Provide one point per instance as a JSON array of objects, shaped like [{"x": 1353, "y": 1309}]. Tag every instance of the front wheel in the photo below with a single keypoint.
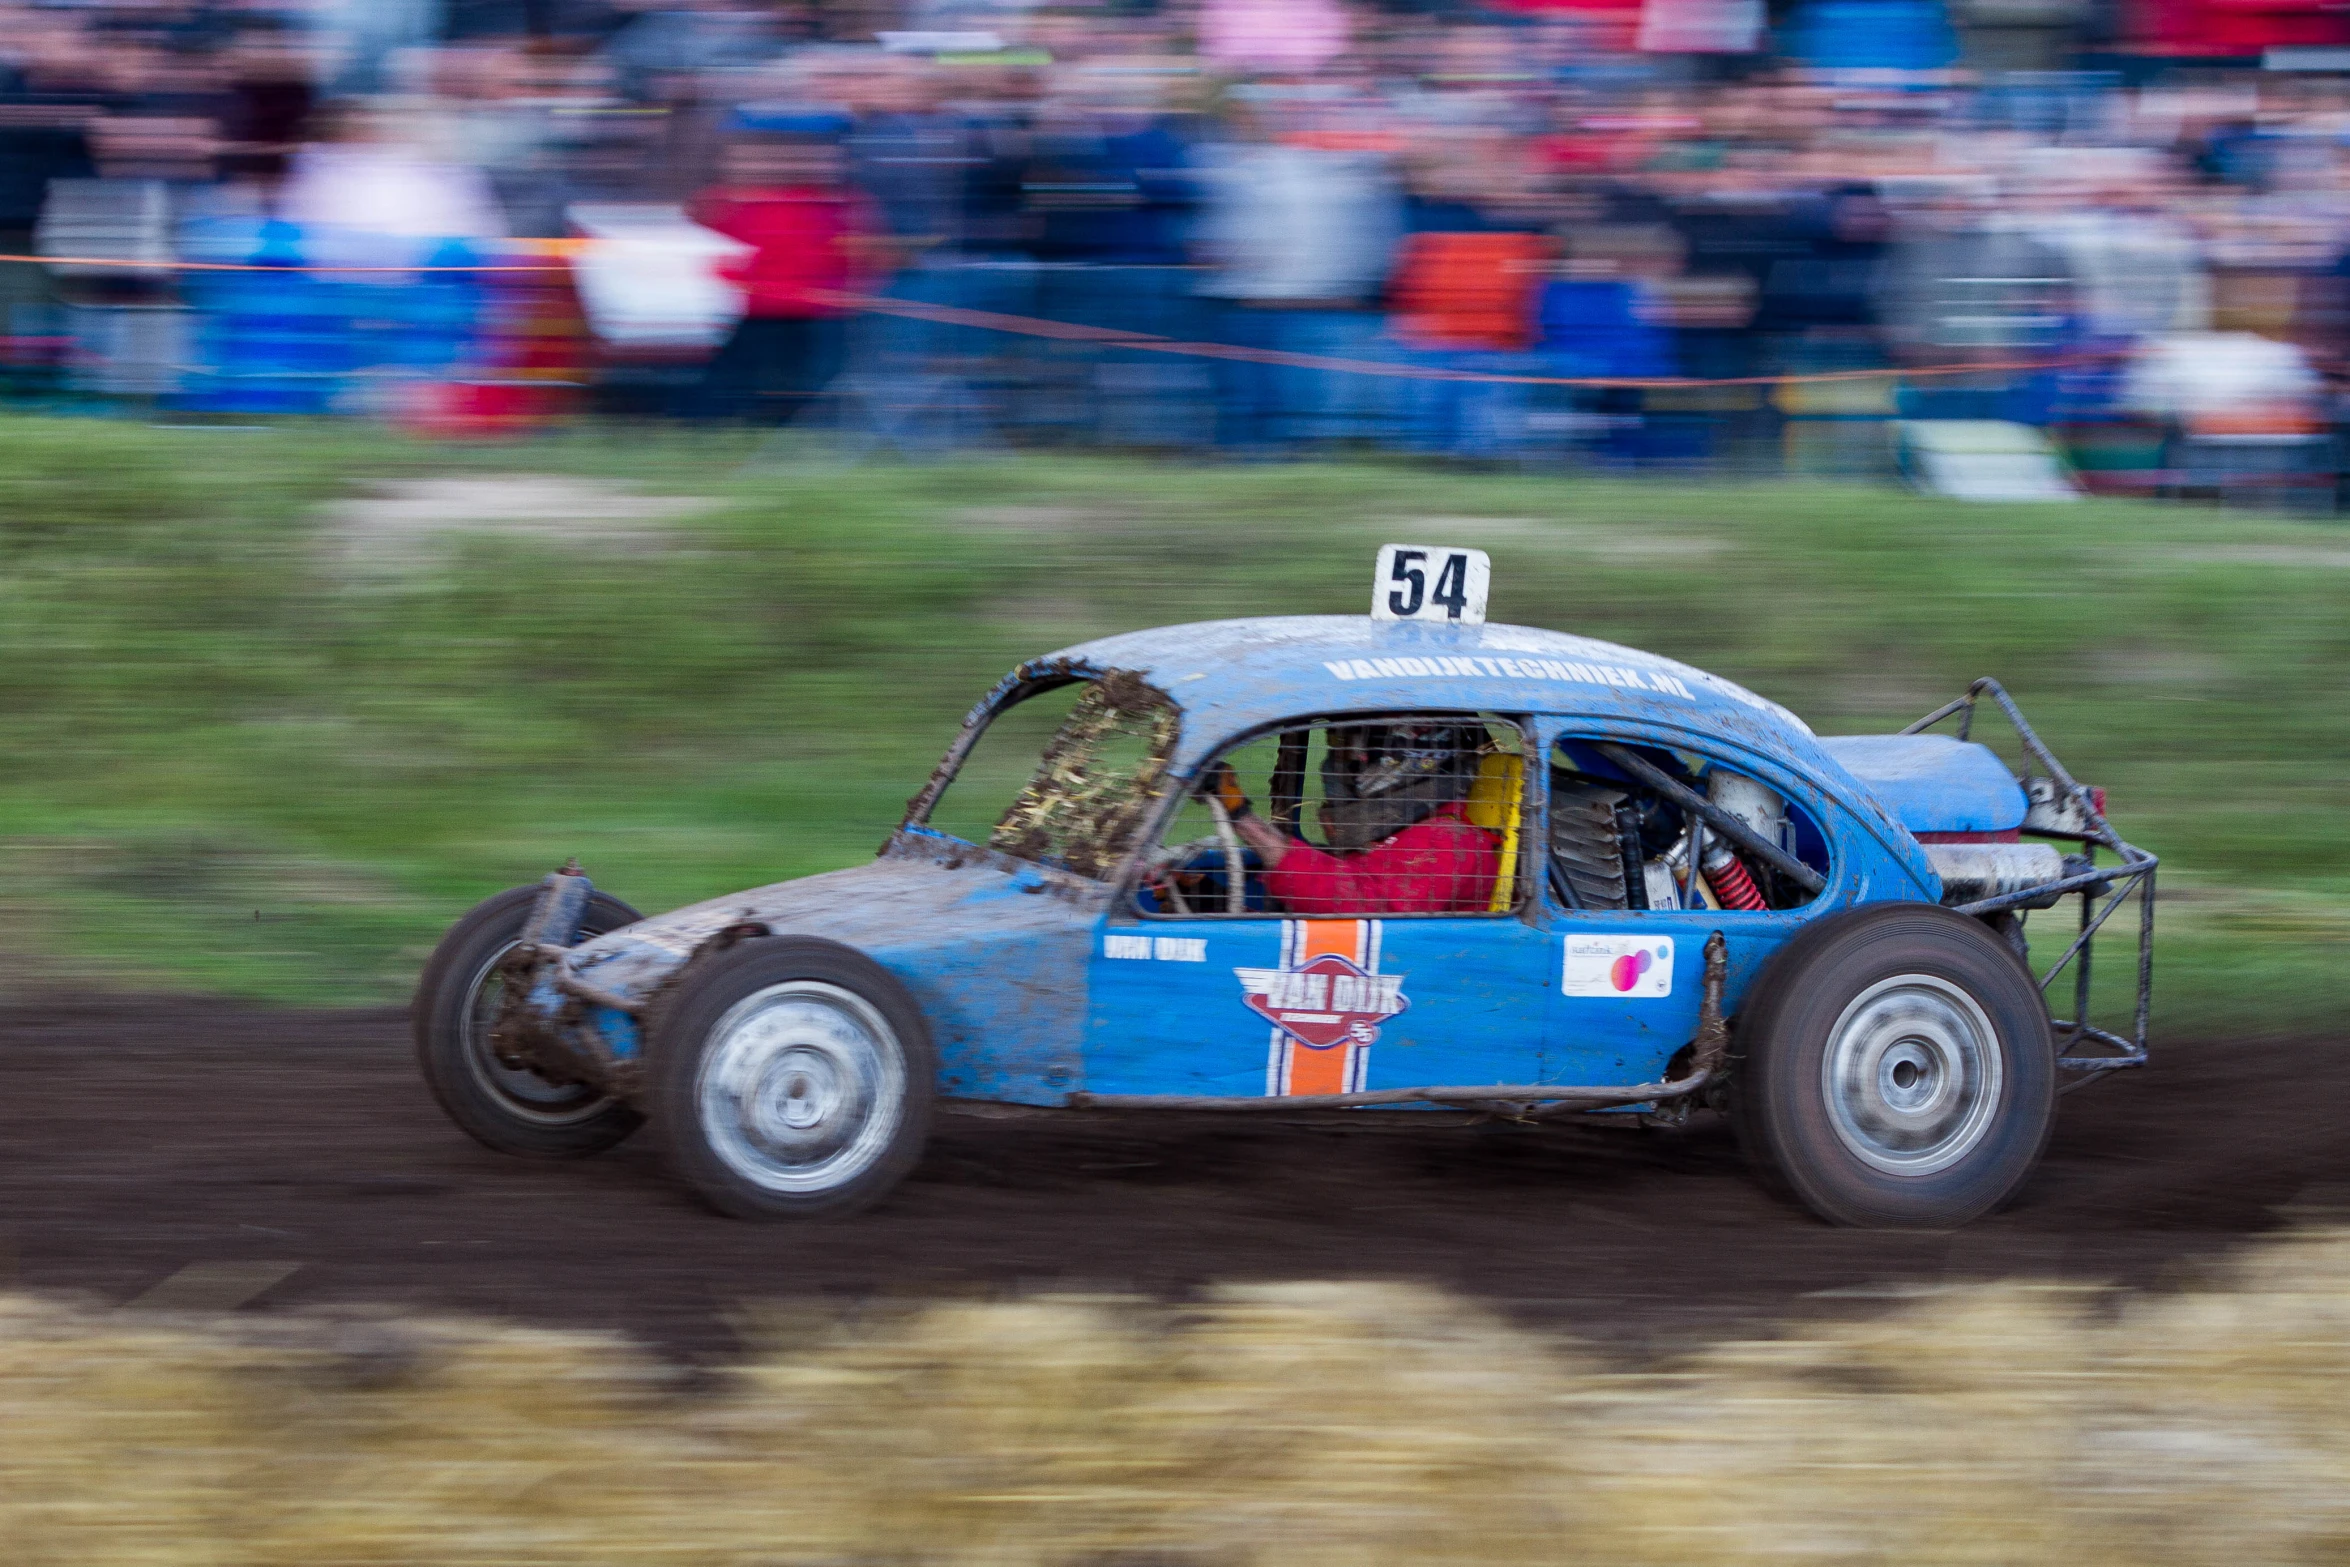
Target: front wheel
[
  {"x": 1897, "y": 1070},
  {"x": 506, "y": 1107},
  {"x": 792, "y": 1077}
]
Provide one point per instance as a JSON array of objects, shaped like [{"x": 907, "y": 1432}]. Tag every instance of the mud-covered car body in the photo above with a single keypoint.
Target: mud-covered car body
[{"x": 1051, "y": 978}]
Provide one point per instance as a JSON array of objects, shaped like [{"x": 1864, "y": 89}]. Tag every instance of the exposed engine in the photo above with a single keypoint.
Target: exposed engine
[
  {"x": 1617, "y": 845},
  {"x": 1594, "y": 839}
]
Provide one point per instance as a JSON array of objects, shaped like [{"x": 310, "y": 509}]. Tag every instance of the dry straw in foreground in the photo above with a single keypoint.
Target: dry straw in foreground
[{"x": 1300, "y": 1425}]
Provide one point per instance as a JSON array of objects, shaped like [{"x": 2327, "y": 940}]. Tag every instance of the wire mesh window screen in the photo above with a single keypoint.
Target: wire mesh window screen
[
  {"x": 1617, "y": 841},
  {"x": 1410, "y": 814}
]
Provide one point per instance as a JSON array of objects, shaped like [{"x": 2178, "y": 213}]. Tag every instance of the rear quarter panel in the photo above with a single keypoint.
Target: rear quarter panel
[{"x": 1608, "y": 1039}]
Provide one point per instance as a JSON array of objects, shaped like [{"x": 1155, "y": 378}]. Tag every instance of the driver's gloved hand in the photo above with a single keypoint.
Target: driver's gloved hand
[{"x": 1223, "y": 784}]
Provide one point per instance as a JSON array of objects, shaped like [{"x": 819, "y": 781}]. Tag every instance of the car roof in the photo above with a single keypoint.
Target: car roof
[{"x": 1230, "y": 676}]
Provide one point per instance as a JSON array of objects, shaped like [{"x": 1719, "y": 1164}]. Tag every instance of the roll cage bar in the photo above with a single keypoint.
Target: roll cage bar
[{"x": 2061, "y": 807}]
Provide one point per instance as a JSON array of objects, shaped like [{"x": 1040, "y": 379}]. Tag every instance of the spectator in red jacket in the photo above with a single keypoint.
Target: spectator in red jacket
[
  {"x": 783, "y": 195},
  {"x": 1394, "y": 809}
]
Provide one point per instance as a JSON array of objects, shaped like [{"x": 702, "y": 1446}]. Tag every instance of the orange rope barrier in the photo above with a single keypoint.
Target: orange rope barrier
[
  {"x": 1151, "y": 343},
  {"x": 1145, "y": 342}
]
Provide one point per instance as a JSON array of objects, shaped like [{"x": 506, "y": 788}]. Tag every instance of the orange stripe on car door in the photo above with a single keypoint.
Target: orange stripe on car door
[{"x": 1323, "y": 1071}]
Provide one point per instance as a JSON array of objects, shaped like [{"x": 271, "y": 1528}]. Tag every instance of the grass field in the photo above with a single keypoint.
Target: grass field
[{"x": 263, "y": 730}]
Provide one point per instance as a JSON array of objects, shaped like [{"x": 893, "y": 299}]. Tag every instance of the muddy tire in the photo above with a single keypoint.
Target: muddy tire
[
  {"x": 1897, "y": 1069},
  {"x": 792, "y": 1077},
  {"x": 510, "y": 1109}
]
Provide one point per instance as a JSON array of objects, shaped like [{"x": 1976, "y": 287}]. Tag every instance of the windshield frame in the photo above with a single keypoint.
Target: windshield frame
[{"x": 1131, "y": 690}]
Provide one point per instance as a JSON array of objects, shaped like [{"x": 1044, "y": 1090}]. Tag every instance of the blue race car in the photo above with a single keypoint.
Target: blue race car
[{"x": 1404, "y": 864}]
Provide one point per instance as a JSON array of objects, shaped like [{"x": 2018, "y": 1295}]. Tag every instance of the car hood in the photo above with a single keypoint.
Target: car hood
[{"x": 925, "y": 890}]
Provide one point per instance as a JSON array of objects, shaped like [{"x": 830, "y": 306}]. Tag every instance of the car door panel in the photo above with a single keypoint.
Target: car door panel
[
  {"x": 1229, "y": 1004},
  {"x": 1246, "y": 1007}
]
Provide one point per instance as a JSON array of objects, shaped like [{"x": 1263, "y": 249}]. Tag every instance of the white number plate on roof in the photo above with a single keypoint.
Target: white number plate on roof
[{"x": 1426, "y": 582}]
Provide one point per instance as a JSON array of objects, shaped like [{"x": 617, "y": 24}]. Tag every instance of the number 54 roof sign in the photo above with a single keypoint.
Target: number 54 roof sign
[{"x": 1428, "y": 582}]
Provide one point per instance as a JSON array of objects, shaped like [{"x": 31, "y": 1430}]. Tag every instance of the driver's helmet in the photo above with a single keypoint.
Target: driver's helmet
[{"x": 1378, "y": 779}]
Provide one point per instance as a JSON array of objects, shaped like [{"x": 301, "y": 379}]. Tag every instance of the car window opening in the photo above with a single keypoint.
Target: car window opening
[
  {"x": 1095, "y": 784},
  {"x": 1617, "y": 843},
  {"x": 1394, "y": 815}
]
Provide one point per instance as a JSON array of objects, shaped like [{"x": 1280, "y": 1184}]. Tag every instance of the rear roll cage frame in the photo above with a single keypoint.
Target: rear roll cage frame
[{"x": 2113, "y": 1052}]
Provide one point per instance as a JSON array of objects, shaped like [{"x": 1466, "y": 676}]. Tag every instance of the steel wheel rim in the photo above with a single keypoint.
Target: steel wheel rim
[
  {"x": 802, "y": 1087},
  {"x": 518, "y": 1091},
  {"x": 1912, "y": 1075}
]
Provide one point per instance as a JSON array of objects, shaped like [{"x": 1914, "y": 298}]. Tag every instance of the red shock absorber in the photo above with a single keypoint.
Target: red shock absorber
[{"x": 1731, "y": 882}]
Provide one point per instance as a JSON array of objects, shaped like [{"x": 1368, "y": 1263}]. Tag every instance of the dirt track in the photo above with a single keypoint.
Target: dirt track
[{"x": 138, "y": 1139}]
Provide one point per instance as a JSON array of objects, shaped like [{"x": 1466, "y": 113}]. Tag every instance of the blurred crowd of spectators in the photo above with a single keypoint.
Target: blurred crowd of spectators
[{"x": 667, "y": 210}]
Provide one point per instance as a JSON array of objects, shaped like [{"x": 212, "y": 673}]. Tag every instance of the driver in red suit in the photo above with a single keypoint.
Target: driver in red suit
[{"x": 1395, "y": 812}]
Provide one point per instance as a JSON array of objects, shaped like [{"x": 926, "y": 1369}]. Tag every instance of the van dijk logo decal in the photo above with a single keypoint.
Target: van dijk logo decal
[
  {"x": 1330, "y": 1001},
  {"x": 1325, "y": 1003}
]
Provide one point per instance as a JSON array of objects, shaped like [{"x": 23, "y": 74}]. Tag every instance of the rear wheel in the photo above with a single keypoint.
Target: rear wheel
[
  {"x": 509, "y": 1108},
  {"x": 792, "y": 1077},
  {"x": 1897, "y": 1069}
]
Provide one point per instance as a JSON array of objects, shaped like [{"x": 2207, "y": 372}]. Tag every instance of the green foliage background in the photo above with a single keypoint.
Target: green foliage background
[{"x": 233, "y": 760}]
